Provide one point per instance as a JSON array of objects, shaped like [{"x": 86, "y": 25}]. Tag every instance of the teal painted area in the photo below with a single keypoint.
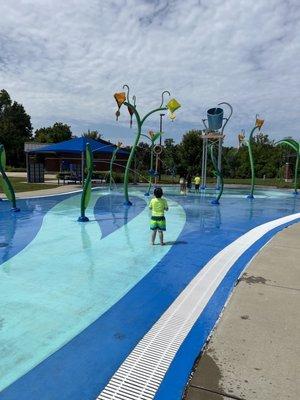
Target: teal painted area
[{"x": 67, "y": 277}]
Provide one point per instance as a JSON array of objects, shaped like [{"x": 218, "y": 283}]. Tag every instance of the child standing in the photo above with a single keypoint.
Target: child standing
[
  {"x": 197, "y": 183},
  {"x": 189, "y": 182},
  {"x": 158, "y": 206}
]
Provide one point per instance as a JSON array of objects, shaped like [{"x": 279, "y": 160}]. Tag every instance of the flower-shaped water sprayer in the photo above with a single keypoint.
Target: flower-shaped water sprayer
[
  {"x": 124, "y": 98},
  {"x": 258, "y": 125}
]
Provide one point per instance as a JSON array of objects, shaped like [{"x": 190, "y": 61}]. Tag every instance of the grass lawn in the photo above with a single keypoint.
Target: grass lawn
[
  {"x": 20, "y": 185},
  {"x": 279, "y": 183},
  {"x": 276, "y": 182}
]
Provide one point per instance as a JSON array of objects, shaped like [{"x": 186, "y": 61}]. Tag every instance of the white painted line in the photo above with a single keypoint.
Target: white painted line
[{"x": 142, "y": 372}]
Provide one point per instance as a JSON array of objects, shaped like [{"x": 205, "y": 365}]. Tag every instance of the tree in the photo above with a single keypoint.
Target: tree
[
  {"x": 15, "y": 129},
  {"x": 53, "y": 134},
  {"x": 266, "y": 155},
  {"x": 170, "y": 159},
  {"x": 92, "y": 135},
  {"x": 5, "y": 100},
  {"x": 190, "y": 153},
  {"x": 142, "y": 156},
  {"x": 268, "y": 159},
  {"x": 230, "y": 162}
]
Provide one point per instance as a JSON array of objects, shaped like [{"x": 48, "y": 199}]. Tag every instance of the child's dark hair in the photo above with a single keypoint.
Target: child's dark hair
[{"x": 158, "y": 192}]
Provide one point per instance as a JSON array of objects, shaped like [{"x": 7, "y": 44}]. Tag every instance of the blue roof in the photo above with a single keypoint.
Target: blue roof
[{"x": 78, "y": 145}]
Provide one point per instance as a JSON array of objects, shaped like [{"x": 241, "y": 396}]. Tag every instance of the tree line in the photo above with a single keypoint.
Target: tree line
[
  {"x": 185, "y": 157},
  {"x": 16, "y": 129},
  {"x": 177, "y": 158}
]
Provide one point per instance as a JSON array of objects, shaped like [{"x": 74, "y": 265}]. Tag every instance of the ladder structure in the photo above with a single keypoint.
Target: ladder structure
[{"x": 214, "y": 132}]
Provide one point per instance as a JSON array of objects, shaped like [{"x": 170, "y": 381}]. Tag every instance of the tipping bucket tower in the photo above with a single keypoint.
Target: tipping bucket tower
[{"x": 214, "y": 132}]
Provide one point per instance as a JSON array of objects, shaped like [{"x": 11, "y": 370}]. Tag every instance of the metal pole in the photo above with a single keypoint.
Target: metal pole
[
  {"x": 219, "y": 163},
  {"x": 151, "y": 168},
  {"x": 160, "y": 140},
  {"x": 203, "y": 163},
  {"x": 156, "y": 166},
  {"x": 27, "y": 167},
  {"x": 205, "y": 166}
]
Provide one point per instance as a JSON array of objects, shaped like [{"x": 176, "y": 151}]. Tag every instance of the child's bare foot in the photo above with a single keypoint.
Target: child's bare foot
[
  {"x": 152, "y": 243},
  {"x": 162, "y": 243}
]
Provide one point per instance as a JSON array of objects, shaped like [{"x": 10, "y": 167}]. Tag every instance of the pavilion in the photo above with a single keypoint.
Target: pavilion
[{"x": 70, "y": 155}]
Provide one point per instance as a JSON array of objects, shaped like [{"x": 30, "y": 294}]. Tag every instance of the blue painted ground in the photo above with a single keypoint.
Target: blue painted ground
[
  {"x": 82, "y": 367},
  {"x": 18, "y": 229},
  {"x": 111, "y": 215}
]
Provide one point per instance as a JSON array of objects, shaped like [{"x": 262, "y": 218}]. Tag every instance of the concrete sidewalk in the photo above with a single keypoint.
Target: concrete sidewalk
[
  {"x": 24, "y": 175},
  {"x": 46, "y": 192},
  {"x": 254, "y": 352}
]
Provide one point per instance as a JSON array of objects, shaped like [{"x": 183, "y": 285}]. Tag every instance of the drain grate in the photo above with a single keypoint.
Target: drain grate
[{"x": 140, "y": 375}]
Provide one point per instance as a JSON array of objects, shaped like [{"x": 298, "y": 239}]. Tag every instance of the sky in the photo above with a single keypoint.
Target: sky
[{"x": 64, "y": 60}]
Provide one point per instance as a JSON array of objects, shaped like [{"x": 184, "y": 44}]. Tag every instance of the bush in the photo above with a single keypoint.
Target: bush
[{"x": 118, "y": 177}]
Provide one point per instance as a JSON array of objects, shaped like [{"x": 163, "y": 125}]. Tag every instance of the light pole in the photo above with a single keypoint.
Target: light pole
[
  {"x": 153, "y": 137},
  {"x": 160, "y": 131}
]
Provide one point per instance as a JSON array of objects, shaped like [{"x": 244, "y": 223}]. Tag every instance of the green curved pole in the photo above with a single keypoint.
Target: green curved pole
[
  {"x": 218, "y": 173},
  {"x": 5, "y": 182},
  {"x": 112, "y": 160},
  {"x": 295, "y": 146},
  {"x": 87, "y": 188},
  {"x": 230, "y": 114},
  {"x": 128, "y": 164},
  {"x": 249, "y": 145},
  {"x": 139, "y": 122},
  {"x": 151, "y": 164}
]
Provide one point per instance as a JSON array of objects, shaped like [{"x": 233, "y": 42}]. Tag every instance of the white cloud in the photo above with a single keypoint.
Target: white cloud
[{"x": 64, "y": 60}]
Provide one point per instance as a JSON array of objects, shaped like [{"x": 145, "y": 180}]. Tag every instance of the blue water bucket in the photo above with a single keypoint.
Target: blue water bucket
[{"x": 215, "y": 118}]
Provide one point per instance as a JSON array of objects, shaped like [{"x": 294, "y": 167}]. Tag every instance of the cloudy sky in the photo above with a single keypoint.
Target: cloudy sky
[{"x": 64, "y": 60}]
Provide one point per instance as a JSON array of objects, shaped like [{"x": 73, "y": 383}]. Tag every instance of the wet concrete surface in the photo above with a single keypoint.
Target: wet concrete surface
[
  {"x": 199, "y": 394},
  {"x": 254, "y": 351}
]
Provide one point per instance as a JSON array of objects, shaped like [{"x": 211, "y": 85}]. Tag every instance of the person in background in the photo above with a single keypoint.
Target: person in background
[
  {"x": 182, "y": 185},
  {"x": 189, "y": 182},
  {"x": 197, "y": 181},
  {"x": 158, "y": 206}
]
